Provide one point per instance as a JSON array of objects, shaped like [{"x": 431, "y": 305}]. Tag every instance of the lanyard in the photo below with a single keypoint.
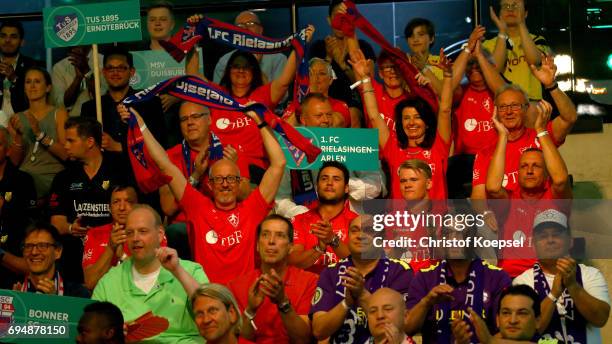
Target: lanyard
[{"x": 59, "y": 284}]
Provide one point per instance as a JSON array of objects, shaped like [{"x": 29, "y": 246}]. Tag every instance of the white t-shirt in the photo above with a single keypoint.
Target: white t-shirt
[
  {"x": 145, "y": 282},
  {"x": 593, "y": 283}
]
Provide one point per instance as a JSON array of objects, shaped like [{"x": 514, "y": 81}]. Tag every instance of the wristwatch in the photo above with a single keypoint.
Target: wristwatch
[
  {"x": 193, "y": 181},
  {"x": 335, "y": 242},
  {"x": 284, "y": 307}
]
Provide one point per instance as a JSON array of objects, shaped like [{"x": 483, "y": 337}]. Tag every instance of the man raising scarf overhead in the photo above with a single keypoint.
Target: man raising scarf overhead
[
  {"x": 348, "y": 20},
  {"x": 243, "y": 81},
  {"x": 198, "y": 91}
]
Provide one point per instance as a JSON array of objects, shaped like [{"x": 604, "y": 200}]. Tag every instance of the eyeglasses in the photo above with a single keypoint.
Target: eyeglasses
[
  {"x": 121, "y": 69},
  {"x": 41, "y": 246},
  {"x": 193, "y": 116},
  {"x": 507, "y": 108},
  {"x": 248, "y": 24},
  {"x": 230, "y": 179},
  {"x": 510, "y": 7}
]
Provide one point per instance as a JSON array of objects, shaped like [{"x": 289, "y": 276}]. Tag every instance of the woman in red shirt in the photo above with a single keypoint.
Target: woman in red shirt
[{"x": 418, "y": 134}]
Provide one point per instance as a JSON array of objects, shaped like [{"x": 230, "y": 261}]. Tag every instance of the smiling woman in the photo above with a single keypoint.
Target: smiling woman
[{"x": 39, "y": 133}]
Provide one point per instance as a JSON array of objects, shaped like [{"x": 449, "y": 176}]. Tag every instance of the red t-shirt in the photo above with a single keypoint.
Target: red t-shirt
[
  {"x": 386, "y": 105},
  {"x": 175, "y": 154},
  {"x": 472, "y": 124},
  {"x": 302, "y": 236},
  {"x": 343, "y": 109},
  {"x": 436, "y": 157},
  {"x": 519, "y": 224},
  {"x": 299, "y": 288},
  {"x": 96, "y": 241},
  {"x": 223, "y": 241},
  {"x": 514, "y": 149},
  {"x": 233, "y": 127}
]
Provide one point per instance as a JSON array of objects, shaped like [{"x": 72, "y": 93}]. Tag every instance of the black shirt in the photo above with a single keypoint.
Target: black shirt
[
  {"x": 18, "y": 208},
  {"x": 73, "y": 194},
  {"x": 340, "y": 88},
  {"x": 151, "y": 112}
]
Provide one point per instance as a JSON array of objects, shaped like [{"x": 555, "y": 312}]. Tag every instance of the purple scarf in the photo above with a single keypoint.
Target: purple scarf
[
  {"x": 572, "y": 324},
  {"x": 350, "y": 332},
  {"x": 473, "y": 298}
]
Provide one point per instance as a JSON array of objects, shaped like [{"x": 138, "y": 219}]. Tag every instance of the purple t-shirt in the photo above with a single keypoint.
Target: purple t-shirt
[
  {"x": 389, "y": 273},
  {"x": 495, "y": 280}
]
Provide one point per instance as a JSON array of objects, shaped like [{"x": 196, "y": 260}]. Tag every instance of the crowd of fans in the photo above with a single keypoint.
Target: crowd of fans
[{"x": 245, "y": 249}]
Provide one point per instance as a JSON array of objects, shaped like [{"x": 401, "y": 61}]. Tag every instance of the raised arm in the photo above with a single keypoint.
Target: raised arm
[
  {"x": 158, "y": 154},
  {"x": 446, "y": 99},
  {"x": 499, "y": 53},
  {"x": 490, "y": 74},
  {"x": 532, "y": 53},
  {"x": 563, "y": 123},
  {"x": 362, "y": 70},
  {"x": 557, "y": 170},
  {"x": 465, "y": 55},
  {"x": 495, "y": 175},
  {"x": 192, "y": 60},
  {"x": 281, "y": 84},
  {"x": 271, "y": 179},
  {"x": 169, "y": 259}
]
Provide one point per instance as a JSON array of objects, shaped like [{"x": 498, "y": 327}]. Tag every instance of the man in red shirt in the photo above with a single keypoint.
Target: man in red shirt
[
  {"x": 276, "y": 298},
  {"x": 192, "y": 156},
  {"x": 512, "y": 104},
  {"x": 224, "y": 229},
  {"x": 542, "y": 177},
  {"x": 321, "y": 233},
  {"x": 104, "y": 245}
]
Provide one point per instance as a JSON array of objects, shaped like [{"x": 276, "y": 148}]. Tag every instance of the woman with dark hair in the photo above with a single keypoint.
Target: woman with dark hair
[
  {"x": 243, "y": 80},
  {"x": 417, "y": 135},
  {"x": 38, "y": 133}
]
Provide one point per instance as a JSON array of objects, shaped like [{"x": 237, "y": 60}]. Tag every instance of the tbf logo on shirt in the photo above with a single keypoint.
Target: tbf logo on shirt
[{"x": 224, "y": 123}]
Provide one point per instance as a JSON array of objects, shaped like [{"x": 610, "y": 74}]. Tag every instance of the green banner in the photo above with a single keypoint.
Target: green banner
[
  {"x": 67, "y": 26},
  {"x": 30, "y": 317},
  {"x": 153, "y": 66},
  {"x": 356, "y": 148}
]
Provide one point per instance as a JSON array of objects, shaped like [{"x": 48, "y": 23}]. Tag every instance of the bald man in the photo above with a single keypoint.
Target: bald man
[
  {"x": 271, "y": 65},
  {"x": 153, "y": 279},
  {"x": 386, "y": 312},
  {"x": 223, "y": 235}
]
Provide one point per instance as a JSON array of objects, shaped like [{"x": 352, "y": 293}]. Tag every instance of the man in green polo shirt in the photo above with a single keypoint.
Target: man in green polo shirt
[{"x": 153, "y": 279}]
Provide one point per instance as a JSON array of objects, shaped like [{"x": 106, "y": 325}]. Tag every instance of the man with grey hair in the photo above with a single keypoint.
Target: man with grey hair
[
  {"x": 271, "y": 65},
  {"x": 511, "y": 104},
  {"x": 147, "y": 281},
  {"x": 216, "y": 313},
  {"x": 17, "y": 204},
  {"x": 224, "y": 229}
]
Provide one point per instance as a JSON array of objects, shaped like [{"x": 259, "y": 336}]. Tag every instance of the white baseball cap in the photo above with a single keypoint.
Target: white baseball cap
[{"x": 550, "y": 217}]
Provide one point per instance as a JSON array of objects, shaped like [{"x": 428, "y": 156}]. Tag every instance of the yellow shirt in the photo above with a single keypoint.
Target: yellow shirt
[{"x": 517, "y": 70}]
